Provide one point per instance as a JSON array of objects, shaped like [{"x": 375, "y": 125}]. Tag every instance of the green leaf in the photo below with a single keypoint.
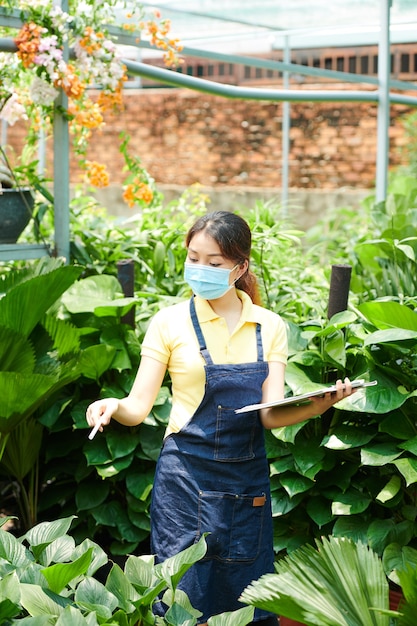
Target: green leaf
[
  {"x": 174, "y": 568},
  {"x": 319, "y": 509},
  {"x": 71, "y": 616},
  {"x": 9, "y": 597},
  {"x": 334, "y": 346},
  {"x": 389, "y": 336},
  {"x": 24, "y": 305},
  {"x": 408, "y": 468},
  {"x": 389, "y": 315},
  {"x": 350, "y": 502},
  {"x": 240, "y": 617},
  {"x": 92, "y": 595},
  {"x": 390, "y": 490},
  {"x": 118, "y": 584},
  {"x": 38, "y": 601},
  {"x": 345, "y": 437},
  {"x": 379, "y": 454},
  {"x": 333, "y": 585},
  {"x": 91, "y": 494},
  {"x": 60, "y": 574},
  {"x": 12, "y": 550},
  {"x": 140, "y": 484},
  {"x": 295, "y": 484},
  {"x": 44, "y": 533},
  {"x": 16, "y": 352},
  {"x": 384, "y": 397},
  {"x": 100, "y": 294}
]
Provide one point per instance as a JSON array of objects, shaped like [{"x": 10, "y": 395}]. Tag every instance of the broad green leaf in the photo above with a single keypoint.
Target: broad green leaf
[
  {"x": 345, "y": 437},
  {"x": 174, "y": 568},
  {"x": 295, "y": 484},
  {"x": 282, "y": 504},
  {"x": 60, "y": 574},
  {"x": 12, "y": 550},
  {"x": 140, "y": 484},
  {"x": 90, "y": 494},
  {"x": 92, "y": 595},
  {"x": 389, "y": 315},
  {"x": 334, "y": 347},
  {"x": 390, "y": 335},
  {"x": 122, "y": 442},
  {"x": 240, "y": 617},
  {"x": 71, "y": 616},
  {"x": 408, "y": 468},
  {"x": 112, "y": 469},
  {"x": 93, "y": 292},
  {"x": 44, "y": 533},
  {"x": 384, "y": 397},
  {"x": 38, "y": 601},
  {"x": 118, "y": 307},
  {"x": 140, "y": 571},
  {"x": 24, "y": 305},
  {"x": 309, "y": 456},
  {"x": 58, "y": 551},
  {"x": 319, "y": 510},
  {"x": 151, "y": 441},
  {"x": 379, "y": 454},
  {"x": 99, "y": 557},
  {"x": 9, "y": 597},
  {"x": 390, "y": 490},
  {"x": 95, "y": 360},
  {"x": 350, "y": 502},
  {"x": 118, "y": 584}
]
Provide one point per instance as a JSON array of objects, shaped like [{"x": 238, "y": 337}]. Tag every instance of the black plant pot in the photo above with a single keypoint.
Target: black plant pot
[{"x": 15, "y": 212}]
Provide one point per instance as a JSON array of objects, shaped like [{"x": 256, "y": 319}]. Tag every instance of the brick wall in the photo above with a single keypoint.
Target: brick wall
[{"x": 183, "y": 137}]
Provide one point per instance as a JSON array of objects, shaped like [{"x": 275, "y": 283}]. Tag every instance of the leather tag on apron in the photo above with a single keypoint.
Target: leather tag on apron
[{"x": 259, "y": 500}]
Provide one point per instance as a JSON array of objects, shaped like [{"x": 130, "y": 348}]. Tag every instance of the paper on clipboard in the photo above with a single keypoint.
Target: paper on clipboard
[{"x": 303, "y": 398}]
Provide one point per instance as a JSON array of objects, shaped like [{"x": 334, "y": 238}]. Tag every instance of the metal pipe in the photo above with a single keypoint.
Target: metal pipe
[{"x": 384, "y": 63}]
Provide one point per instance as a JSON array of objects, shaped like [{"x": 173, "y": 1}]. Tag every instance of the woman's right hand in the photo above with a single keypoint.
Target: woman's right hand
[{"x": 101, "y": 411}]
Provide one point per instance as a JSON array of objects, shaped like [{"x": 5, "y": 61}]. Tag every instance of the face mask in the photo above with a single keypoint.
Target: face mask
[{"x": 208, "y": 282}]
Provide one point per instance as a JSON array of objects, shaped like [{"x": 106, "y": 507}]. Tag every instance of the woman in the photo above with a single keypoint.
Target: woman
[{"x": 223, "y": 351}]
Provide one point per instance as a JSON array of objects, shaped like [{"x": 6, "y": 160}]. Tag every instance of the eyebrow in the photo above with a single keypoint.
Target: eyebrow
[{"x": 212, "y": 254}]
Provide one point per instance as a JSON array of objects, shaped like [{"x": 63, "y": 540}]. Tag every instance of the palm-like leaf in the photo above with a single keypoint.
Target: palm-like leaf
[
  {"x": 25, "y": 304},
  {"x": 339, "y": 584}
]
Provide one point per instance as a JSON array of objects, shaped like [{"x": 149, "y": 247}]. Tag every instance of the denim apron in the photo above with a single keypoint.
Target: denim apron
[{"x": 213, "y": 477}]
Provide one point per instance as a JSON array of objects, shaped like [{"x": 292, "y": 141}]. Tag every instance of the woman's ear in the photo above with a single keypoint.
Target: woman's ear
[{"x": 243, "y": 268}]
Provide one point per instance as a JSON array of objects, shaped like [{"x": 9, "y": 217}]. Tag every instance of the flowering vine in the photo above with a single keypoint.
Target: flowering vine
[{"x": 73, "y": 51}]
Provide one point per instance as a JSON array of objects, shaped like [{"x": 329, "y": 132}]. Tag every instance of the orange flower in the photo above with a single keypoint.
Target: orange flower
[
  {"x": 89, "y": 116},
  {"x": 97, "y": 174},
  {"x": 27, "y": 42},
  {"x": 138, "y": 191},
  {"x": 71, "y": 84}
]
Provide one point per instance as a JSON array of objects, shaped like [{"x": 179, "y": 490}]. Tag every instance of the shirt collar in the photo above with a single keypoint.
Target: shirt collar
[{"x": 249, "y": 311}]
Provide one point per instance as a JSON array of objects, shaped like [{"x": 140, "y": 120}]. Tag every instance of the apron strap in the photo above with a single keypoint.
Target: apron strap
[
  {"x": 200, "y": 337},
  {"x": 202, "y": 342}
]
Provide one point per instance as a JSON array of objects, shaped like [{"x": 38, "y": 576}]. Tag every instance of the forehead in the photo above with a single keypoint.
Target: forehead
[{"x": 202, "y": 243}]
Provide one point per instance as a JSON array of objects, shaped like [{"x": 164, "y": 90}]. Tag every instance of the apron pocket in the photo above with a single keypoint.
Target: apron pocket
[
  {"x": 235, "y": 524},
  {"x": 235, "y": 434}
]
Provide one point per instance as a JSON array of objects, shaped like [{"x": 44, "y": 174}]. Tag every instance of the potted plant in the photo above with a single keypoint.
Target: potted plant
[{"x": 16, "y": 203}]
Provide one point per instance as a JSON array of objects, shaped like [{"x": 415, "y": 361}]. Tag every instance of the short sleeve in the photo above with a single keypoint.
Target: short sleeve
[
  {"x": 156, "y": 341},
  {"x": 277, "y": 349}
]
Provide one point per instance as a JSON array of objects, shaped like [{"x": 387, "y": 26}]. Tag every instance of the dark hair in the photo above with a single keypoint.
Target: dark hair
[{"x": 234, "y": 238}]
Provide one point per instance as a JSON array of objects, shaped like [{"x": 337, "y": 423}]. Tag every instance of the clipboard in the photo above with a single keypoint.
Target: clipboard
[{"x": 305, "y": 397}]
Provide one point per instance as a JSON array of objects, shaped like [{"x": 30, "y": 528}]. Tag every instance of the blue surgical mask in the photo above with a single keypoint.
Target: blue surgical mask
[{"x": 208, "y": 282}]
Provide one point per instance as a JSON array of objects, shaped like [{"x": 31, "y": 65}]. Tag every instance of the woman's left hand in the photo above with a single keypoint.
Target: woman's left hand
[{"x": 343, "y": 390}]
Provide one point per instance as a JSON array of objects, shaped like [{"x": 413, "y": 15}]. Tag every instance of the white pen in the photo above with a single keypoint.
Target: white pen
[{"x": 95, "y": 430}]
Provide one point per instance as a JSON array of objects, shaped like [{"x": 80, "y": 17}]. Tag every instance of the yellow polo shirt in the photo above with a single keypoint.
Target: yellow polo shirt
[{"x": 171, "y": 339}]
